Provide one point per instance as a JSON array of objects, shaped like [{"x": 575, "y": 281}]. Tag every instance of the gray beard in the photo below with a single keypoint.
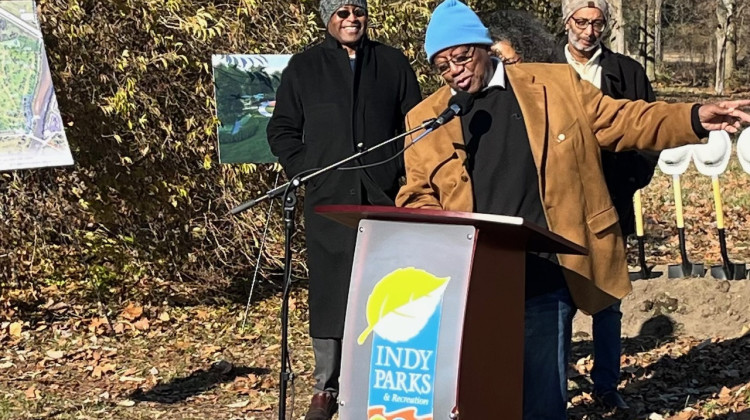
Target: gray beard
[{"x": 575, "y": 41}]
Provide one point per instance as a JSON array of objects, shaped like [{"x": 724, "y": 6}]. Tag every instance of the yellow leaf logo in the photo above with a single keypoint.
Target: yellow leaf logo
[{"x": 402, "y": 303}]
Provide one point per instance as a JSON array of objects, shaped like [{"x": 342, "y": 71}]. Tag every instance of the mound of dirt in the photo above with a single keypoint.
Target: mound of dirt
[{"x": 685, "y": 307}]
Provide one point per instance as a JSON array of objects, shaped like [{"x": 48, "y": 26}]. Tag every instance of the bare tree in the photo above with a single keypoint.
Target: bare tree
[
  {"x": 642, "y": 34},
  {"x": 658, "y": 55},
  {"x": 648, "y": 32},
  {"x": 646, "y": 37},
  {"x": 617, "y": 34},
  {"x": 724, "y": 15},
  {"x": 730, "y": 60}
]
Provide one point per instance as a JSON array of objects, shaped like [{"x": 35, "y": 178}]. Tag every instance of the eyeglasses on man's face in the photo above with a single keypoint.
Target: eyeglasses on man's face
[
  {"x": 463, "y": 57},
  {"x": 344, "y": 13},
  {"x": 582, "y": 24}
]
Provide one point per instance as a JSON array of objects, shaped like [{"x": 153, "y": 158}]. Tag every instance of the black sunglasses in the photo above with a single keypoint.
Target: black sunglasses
[{"x": 344, "y": 13}]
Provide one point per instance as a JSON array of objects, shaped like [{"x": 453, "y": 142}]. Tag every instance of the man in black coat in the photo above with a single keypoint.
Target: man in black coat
[
  {"x": 620, "y": 77},
  {"x": 336, "y": 98}
]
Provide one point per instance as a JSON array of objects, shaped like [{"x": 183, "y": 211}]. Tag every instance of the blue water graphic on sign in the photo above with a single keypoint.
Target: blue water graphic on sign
[{"x": 402, "y": 375}]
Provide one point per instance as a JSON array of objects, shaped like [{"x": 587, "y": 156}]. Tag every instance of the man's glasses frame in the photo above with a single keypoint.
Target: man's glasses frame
[
  {"x": 344, "y": 13},
  {"x": 460, "y": 60},
  {"x": 582, "y": 24}
]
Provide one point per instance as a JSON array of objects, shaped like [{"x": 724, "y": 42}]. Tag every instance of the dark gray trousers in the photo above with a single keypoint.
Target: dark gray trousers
[{"x": 327, "y": 365}]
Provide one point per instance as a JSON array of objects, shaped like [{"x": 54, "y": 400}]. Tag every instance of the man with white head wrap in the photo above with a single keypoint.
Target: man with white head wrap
[{"x": 620, "y": 77}]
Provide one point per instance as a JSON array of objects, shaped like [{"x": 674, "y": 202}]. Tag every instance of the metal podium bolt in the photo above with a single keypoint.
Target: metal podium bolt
[{"x": 470, "y": 236}]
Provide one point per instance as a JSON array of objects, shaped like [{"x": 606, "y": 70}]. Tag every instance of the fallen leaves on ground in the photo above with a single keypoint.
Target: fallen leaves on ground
[
  {"x": 674, "y": 379},
  {"x": 189, "y": 362},
  {"x": 66, "y": 359},
  {"x": 206, "y": 367}
]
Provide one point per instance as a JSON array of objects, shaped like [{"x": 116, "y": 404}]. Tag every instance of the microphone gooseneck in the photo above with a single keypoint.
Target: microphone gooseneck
[{"x": 460, "y": 104}]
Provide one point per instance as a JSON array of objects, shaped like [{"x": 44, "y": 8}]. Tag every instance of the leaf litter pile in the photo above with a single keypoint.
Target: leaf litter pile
[
  {"x": 66, "y": 360},
  {"x": 196, "y": 362},
  {"x": 149, "y": 362}
]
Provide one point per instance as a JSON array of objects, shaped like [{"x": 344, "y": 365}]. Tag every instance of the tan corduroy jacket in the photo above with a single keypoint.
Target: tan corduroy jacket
[{"x": 567, "y": 121}]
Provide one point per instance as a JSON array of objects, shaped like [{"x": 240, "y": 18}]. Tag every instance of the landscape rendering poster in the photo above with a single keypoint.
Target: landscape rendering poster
[
  {"x": 245, "y": 89},
  {"x": 31, "y": 129}
]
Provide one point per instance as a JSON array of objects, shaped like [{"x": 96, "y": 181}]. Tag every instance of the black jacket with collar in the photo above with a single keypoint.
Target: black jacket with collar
[
  {"x": 324, "y": 109},
  {"x": 626, "y": 172}
]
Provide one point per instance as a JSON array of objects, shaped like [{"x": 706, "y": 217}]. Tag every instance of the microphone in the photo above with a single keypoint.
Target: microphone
[{"x": 460, "y": 104}]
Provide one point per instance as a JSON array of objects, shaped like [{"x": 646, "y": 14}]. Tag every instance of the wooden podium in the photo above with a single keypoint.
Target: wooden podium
[{"x": 435, "y": 318}]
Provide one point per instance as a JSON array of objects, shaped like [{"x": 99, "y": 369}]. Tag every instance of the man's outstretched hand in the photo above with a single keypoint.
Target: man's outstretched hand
[{"x": 725, "y": 115}]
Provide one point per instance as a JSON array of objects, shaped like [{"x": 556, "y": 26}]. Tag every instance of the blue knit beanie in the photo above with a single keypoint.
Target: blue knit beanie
[{"x": 454, "y": 23}]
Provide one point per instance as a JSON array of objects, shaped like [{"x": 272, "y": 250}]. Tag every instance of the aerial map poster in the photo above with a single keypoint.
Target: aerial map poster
[
  {"x": 31, "y": 129},
  {"x": 245, "y": 89}
]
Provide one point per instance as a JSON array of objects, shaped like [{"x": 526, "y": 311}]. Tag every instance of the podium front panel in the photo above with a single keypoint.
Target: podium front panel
[{"x": 404, "y": 320}]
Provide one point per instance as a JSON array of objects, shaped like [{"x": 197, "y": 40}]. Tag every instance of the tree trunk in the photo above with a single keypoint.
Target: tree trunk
[
  {"x": 724, "y": 11},
  {"x": 643, "y": 36},
  {"x": 658, "y": 55},
  {"x": 617, "y": 23},
  {"x": 730, "y": 60},
  {"x": 649, "y": 26}
]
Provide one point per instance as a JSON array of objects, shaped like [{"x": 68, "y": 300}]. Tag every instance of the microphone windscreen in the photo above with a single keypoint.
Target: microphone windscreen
[{"x": 464, "y": 100}]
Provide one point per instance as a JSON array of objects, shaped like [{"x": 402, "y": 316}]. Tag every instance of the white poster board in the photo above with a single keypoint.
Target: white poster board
[{"x": 31, "y": 129}]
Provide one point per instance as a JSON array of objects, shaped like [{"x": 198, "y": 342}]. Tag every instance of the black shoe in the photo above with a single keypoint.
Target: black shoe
[
  {"x": 612, "y": 400},
  {"x": 322, "y": 407}
]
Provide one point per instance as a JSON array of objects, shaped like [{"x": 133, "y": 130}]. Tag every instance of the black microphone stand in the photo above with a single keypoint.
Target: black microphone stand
[
  {"x": 286, "y": 375},
  {"x": 289, "y": 190}
]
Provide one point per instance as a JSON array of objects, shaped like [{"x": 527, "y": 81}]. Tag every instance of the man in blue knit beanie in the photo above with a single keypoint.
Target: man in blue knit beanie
[{"x": 530, "y": 147}]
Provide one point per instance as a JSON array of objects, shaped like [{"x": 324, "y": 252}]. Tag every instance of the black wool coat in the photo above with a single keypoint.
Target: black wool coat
[
  {"x": 626, "y": 172},
  {"x": 325, "y": 111}
]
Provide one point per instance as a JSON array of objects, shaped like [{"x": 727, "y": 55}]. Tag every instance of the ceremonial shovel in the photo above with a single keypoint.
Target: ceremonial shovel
[
  {"x": 711, "y": 159},
  {"x": 645, "y": 272},
  {"x": 743, "y": 150},
  {"x": 675, "y": 162}
]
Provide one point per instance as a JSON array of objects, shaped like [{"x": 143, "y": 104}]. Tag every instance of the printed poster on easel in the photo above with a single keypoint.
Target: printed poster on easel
[
  {"x": 31, "y": 129},
  {"x": 245, "y": 90}
]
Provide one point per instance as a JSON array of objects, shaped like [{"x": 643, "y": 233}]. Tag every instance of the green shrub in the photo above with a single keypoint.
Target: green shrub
[{"x": 146, "y": 203}]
